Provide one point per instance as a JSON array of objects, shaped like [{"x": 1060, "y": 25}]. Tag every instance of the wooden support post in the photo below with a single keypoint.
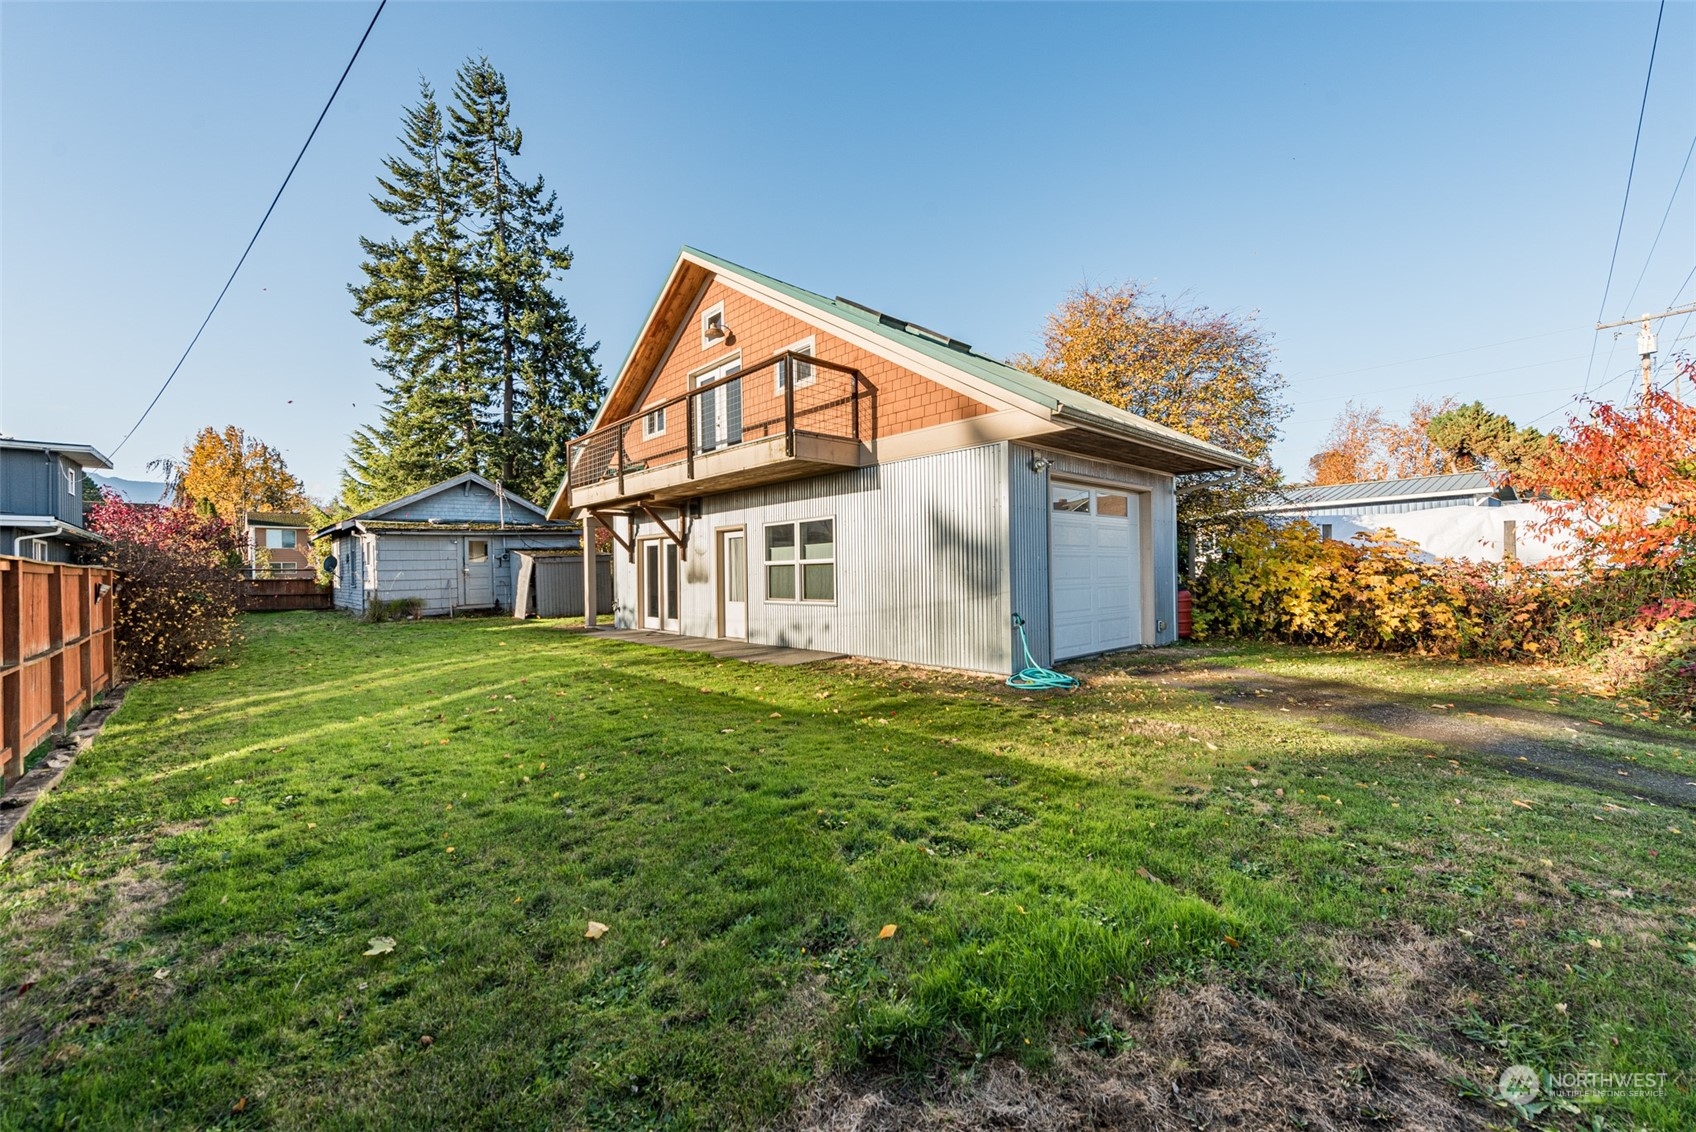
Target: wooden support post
[
  {"x": 591, "y": 601},
  {"x": 788, "y": 406}
]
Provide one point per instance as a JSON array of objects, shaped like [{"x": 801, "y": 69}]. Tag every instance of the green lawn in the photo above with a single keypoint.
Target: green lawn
[{"x": 193, "y": 904}]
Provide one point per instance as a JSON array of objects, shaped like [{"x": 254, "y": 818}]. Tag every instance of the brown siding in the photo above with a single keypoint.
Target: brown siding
[{"x": 902, "y": 400}]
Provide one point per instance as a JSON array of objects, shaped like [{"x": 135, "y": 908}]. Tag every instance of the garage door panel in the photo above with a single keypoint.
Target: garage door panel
[{"x": 1094, "y": 572}]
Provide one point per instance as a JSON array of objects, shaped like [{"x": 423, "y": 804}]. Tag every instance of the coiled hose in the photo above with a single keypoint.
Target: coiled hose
[{"x": 1034, "y": 675}]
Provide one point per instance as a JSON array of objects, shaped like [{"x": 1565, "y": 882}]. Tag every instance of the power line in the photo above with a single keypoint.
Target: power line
[
  {"x": 1653, "y": 244},
  {"x": 286, "y": 178},
  {"x": 1432, "y": 357},
  {"x": 1439, "y": 381},
  {"x": 1631, "y": 171}
]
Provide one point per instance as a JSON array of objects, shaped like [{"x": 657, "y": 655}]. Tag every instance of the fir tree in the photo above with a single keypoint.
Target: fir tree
[{"x": 487, "y": 370}]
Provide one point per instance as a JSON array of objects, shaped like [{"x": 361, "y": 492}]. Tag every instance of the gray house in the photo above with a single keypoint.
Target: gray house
[
  {"x": 454, "y": 546},
  {"x": 785, "y": 468},
  {"x": 41, "y": 505}
]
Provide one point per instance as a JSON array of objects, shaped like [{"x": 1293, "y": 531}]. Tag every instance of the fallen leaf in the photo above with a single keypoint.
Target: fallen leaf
[
  {"x": 381, "y": 945},
  {"x": 1233, "y": 942},
  {"x": 230, "y": 801},
  {"x": 1596, "y": 943},
  {"x": 596, "y": 930},
  {"x": 1146, "y": 875},
  {"x": 426, "y": 1041},
  {"x": 23, "y": 988},
  {"x": 888, "y": 931},
  {"x": 162, "y": 974},
  {"x": 239, "y": 1106},
  {"x": 1522, "y": 805}
]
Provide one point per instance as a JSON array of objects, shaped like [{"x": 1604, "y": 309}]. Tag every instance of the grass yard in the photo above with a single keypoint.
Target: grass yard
[{"x": 183, "y": 923}]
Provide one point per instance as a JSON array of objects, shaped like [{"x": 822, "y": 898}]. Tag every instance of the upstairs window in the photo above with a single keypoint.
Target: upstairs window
[
  {"x": 653, "y": 424},
  {"x": 70, "y": 481},
  {"x": 279, "y": 539},
  {"x": 804, "y": 373}
]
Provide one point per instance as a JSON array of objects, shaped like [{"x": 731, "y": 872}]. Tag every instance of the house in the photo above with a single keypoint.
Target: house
[
  {"x": 452, "y": 545},
  {"x": 1464, "y": 515},
  {"x": 41, "y": 503},
  {"x": 790, "y": 469},
  {"x": 278, "y": 543}
]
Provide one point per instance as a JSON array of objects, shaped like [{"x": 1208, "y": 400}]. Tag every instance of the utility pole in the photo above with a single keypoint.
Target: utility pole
[{"x": 1646, "y": 337}]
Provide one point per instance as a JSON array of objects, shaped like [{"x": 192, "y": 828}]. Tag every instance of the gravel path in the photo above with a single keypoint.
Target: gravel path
[{"x": 1528, "y": 743}]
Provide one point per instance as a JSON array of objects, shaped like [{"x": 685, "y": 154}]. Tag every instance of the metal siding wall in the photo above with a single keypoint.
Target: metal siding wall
[
  {"x": 1028, "y": 496},
  {"x": 1029, "y": 522},
  {"x": 921, "y": 567},
  {"x": 26, "y": 482},
  {"x": 467, "y": 503},
  {"x": 559, "y": 585}
]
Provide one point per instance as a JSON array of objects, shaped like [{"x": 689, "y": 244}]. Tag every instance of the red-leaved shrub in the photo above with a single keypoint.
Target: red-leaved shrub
[{"x": 176, "y": 590}]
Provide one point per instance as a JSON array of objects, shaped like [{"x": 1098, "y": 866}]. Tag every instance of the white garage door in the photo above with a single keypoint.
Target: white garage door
[{"x": 1094, "y": 551}]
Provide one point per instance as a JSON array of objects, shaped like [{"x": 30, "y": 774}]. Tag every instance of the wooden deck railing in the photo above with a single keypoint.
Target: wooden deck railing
[{"x": 56, "y": 650}]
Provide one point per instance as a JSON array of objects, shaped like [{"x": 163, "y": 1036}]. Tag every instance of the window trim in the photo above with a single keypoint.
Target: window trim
[
  {"x": 706, "y": 317},
  {"x": 71, "y": 480},
  {"x": 809, "y": 346},
  {"x": 797, "y": 562},
  {"x": 649, "y": 430}
]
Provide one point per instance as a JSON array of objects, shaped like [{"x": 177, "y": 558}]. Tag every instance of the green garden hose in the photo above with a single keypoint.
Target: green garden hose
[{"x": 1034, "y": 675}]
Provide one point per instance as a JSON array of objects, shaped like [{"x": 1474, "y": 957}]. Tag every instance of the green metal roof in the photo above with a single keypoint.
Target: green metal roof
[{"x": 1064, "y": 401}]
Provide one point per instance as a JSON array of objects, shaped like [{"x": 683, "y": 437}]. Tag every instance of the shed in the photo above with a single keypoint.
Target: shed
[{"x": 453, "y": 545}]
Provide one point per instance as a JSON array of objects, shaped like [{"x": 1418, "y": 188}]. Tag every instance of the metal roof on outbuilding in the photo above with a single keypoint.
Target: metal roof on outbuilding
[{"x": 1460, "y": 485}]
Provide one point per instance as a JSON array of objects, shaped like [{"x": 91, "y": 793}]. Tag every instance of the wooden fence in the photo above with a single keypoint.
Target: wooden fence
[
  {"x": 273, "y": 595},
  {"x": 55, "y": 650}
]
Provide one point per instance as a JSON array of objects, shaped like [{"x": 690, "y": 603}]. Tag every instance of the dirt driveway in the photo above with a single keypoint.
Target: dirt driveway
[{"x": 1521, "y": 742}]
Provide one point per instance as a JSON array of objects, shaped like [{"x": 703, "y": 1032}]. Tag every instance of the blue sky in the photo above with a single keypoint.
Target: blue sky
[{"x": 1382, "y": 183}]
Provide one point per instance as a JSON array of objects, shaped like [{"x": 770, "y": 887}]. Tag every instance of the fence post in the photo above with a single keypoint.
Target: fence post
[{"x": 11, "y": 673}]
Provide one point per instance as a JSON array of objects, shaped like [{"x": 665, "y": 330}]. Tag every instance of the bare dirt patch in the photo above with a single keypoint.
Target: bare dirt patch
[{"x": 1376, "y": 1051}]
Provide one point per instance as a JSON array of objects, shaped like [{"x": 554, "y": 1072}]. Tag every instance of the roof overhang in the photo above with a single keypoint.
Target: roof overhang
[
  {"x": 84, "y": 454},
  {"x": 49, "y": 527}
]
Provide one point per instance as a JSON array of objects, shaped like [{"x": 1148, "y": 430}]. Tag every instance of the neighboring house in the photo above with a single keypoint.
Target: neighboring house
[
  {"x": 41, "y": 504},
  {"x": 277, "y": 543},
  {"x": 1455, "y": 516},
  {"x": 790, "y": 469},
  {"x": 452, "y": 545}
]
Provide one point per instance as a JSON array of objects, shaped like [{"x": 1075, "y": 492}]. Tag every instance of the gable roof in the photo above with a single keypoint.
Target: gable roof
[
  {"x": 1459, "y": 485},
  {"x": 512, "y": 497},
  {"x": 276, "y": 519},
  {"x": 906, "y": 343}
]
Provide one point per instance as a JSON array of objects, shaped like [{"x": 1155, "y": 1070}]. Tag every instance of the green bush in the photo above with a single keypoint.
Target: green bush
[{"x": 396, "y": 609}]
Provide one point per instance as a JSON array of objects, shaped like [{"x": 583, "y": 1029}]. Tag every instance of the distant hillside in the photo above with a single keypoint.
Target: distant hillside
[{"x": 132, "y": 491}]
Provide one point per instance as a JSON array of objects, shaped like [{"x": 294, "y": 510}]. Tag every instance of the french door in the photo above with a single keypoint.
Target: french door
[
  {"x": 659, "y": 585},
  {"x": 718, "y": 412}
]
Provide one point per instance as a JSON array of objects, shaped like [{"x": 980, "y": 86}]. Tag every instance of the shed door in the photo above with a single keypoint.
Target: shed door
[
  {"x": 1094, "y": 569},
  {"x": 479, "y": 574}
]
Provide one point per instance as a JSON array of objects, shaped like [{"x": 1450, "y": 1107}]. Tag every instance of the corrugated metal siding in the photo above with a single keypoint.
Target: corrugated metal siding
[
  {"x": 921, "y": 568},
  {"x": 559, "y": 586},
  {"x": 1029, "y": 539},
  {"x": 1343, "y": 508}
]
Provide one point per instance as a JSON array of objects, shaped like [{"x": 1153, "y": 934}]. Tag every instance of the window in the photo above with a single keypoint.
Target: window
[
  {"x": 477, "y": 550},
  {"x": 805, "y": 374},
  {"x": 1325, "y": 531},
  {"x": 801, "y": 561},
  {"x": 1113, "y": 503},
  {"x": 70, "y": 480},
  {"x": 1067, "y": 498},
  {"x": 713, "y": 330},
  {"x": 654, "y": 423},
  {"x": 279, "y": 540}
]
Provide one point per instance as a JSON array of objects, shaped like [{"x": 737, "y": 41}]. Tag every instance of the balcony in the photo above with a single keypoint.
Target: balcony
[{"x": 791, "y": 416}]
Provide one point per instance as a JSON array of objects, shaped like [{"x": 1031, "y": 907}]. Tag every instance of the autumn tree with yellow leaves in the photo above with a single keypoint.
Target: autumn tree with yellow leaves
[
  {"x": 1204, "y": 373},
  {"x": 227, "y": 472}
]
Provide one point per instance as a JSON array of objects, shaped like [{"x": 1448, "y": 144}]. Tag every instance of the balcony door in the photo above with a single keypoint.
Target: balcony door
[
  {"x": 718, "y": 412},
  {"x": 659, "y": 585}
]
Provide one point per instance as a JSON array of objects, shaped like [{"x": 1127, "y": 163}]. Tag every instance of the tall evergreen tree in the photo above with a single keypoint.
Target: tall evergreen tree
[{"x": 488, "y": 370}]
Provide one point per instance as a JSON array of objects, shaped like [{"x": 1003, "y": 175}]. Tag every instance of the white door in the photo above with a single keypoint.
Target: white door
[
  {"x": 659, "y": 584},
  {"x": 733, "y": 583},
  {"x": 1095, "y": 549},
  {"x": 718, "y": 412},
  {"x": 478, "y": 575}
]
